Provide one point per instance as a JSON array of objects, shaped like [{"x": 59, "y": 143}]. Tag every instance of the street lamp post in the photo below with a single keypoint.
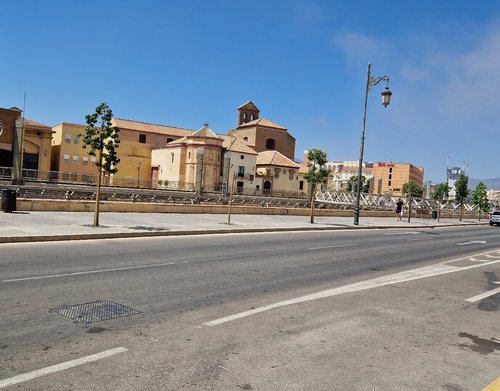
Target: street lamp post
[{"x": 386, "y": 99}]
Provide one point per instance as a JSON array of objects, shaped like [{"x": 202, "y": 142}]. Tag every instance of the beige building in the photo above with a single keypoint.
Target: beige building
[
  {"x": 262, "y": 134},
  {"x": 137, "y": 141},
  {"x": 239, "y": 166},
  {"x": 68, "y": 156},
  {"x": 193, "y": 161},
  {"x": 276, "y": 173},
  {"x": 389, "y": 177}
]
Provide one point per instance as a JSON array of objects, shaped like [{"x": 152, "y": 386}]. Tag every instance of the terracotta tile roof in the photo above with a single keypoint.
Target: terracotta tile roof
[
  {"x": 262, "y": 122},
  {"x": 274, "y": 158},
  {"x": 204, "y": 132},
  {"x": 234, "y": 144},
  {"x": 151, "y": 128},
  {"x": 34, "y": 124}
]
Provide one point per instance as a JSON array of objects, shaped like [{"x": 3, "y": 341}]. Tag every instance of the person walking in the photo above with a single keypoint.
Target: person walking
[{"x": 399, "y": 209}]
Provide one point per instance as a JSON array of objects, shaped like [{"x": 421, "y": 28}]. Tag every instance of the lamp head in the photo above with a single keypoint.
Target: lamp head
[{"x": 386, "y": 96}]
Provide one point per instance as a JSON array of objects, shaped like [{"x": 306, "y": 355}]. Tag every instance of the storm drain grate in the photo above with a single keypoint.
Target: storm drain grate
[{"x": 95, "y": 311}]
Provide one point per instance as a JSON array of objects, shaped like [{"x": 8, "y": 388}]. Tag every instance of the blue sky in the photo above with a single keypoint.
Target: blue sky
[{"x": 301, "y": 62}]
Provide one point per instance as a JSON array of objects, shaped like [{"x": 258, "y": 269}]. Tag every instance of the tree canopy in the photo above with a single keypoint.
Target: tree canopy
[
  {"x": 352, "y": 184},
  {"x": 441, "y": 191},
  {"x": 480, "y": 197},
  {"x": 317, "y": 173},
  {"x": 462, "y": 189},
  {"x": 101, "y": 137},
  {"x": 413, "y": 190}
]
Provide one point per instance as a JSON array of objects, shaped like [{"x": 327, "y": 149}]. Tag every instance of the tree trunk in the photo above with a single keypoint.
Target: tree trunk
[
  {"x": 313, "y": 198},
  {"x": 98, "y": 192},
  {"x": 461, "y": 211}
]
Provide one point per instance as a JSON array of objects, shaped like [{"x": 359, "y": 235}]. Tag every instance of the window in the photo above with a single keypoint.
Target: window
[
  {"x": 241, "y": 171},
  {"x": 75, "y": 159},
  {"x": 66, "y": 158},
  {"x": 142, "y": 138},
  {"x": 85, "y": 161},
  {"x": 390, "y": 170},
  {"x": 389, "y": 183},
  {"x": 67, "y": 138},
  {"x": 244, "y": 117},
  {"x": 93, "y": 159},
  {"x": 169, "y": 140},
  {"x": 390, "y": 176},
  {"x": 301, "y": 185},
  {"x": 242, "y": 157},
  {"x": 172, "y": 155},
  {"x": 270, "y": 143},
  {"x": 76, "y": 139},
  {"x": 245, "y": 138}
]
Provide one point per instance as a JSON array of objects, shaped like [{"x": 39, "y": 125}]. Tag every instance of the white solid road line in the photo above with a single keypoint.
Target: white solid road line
[
  {"x": 404, "y": 233},
  {"x": 93, "y": 272},
  {"x": 60, "y": 367},
  {"x": 339, "y": 245},
  {"x": 483, "y": 295},
  {"x": 410, "y": 275}
]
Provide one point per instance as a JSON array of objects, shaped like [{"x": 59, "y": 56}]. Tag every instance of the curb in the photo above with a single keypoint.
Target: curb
[{"x": 122, "y": 235}]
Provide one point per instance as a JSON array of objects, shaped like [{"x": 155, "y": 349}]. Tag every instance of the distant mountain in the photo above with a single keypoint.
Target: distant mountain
[{"x": 491, "y": 184}]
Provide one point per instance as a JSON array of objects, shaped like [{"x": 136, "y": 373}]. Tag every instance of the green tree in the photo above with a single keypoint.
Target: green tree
[
  {"x": 316, "y": 174},
  {"x": 480, "y": 198},
  {"x": 410, "y": 189},
  {"x": 352, "y": 184},
  {"x": 461, "y": 192},
  {"x": 102, "y": 139},
  {"x": 441, "y": 191}
]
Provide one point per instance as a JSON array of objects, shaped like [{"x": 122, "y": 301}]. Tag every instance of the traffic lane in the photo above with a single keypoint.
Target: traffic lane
[
  {"x": 53, "y": 258},
  {"x": 42, "y": 336},
  {"x": 416, "y": 335},
  {"x": 185, "y": 286}
]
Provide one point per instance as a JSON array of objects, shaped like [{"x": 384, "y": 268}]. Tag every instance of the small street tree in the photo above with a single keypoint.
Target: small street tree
[
  {"x": 410, "y": 189},
  {"x": 352, "y": 184},
  {"x": 440, "y": 193},
  {"x": 102, "y": 139},
  {"x": 480, "y": 198},
  {"x": 461, "y": 193},
  {"x": 316, "y": 174}
]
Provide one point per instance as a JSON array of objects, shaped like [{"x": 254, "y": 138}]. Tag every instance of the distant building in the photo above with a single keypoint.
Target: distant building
[
  {"x": 452, "y": 175},
  {"x": 342, "y": 171},
  {"x": 389, "y": 177}
]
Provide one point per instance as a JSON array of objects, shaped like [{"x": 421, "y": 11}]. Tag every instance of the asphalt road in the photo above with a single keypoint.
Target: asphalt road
[{"x": 408, "y": 334}]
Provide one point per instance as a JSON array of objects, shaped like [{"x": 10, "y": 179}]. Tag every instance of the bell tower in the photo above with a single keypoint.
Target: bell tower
[{"x": 247, "y": 112}]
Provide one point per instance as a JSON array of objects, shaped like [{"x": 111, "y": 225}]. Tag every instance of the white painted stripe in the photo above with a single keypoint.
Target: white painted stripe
[
  {"x": 410, "y": 275},
  {"x": 404, "y": 233},
  {"x": 483, "y": 295},
  {"x": 472, "y": 242},
  {"x": 60, "y": 367},
  {"x": 414, "y": 240},
  {"x": 92, "y": 272},
  {"x": 472, "y": 259},
  {"x": 340, "y": 245},
  {"x": 492, "y": 256}
]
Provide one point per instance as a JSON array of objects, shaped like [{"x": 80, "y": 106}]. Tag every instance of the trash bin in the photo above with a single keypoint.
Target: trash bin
[
  {"x": 434, "y": 214},
  {"x": 8, "y": 200}
]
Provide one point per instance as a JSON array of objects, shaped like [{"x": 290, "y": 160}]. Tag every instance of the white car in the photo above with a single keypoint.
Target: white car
[{"x": 495, "y": 218}]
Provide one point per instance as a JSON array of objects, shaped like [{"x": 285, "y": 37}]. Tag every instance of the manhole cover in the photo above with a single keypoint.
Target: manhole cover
[{"x": 95, "y": 311}]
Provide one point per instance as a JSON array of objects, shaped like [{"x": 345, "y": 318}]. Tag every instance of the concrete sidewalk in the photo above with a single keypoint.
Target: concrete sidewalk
[{"x": 50, "y": 226}]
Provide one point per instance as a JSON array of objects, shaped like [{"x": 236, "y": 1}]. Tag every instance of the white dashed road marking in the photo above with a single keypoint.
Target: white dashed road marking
[
  {"x": 60, "y": 367},
  {"x": 339, "y": 245}
]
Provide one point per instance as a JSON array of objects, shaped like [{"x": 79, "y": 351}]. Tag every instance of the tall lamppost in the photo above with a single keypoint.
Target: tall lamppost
[{"x": 386, "y": 99}]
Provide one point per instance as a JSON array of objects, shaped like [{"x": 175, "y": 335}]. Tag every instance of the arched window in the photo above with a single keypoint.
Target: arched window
[
  {"x": 270, "y": 143},
  {"x": 245, "y": 138}
]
